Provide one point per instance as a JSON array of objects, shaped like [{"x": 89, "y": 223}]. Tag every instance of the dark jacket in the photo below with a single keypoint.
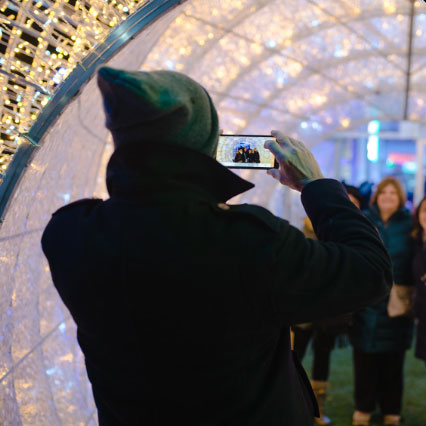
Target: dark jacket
[
  {"x": 373, "y": 330},
  {"x": 419, "y": 274},
  {"x": 173, "y": 325},
  {"x": 239, "y": 158},
  {"x": 256, "y": 157}
]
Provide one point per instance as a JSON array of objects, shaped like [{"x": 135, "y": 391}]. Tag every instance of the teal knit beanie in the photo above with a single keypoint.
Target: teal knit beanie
[{"x": 158, "y": 107}]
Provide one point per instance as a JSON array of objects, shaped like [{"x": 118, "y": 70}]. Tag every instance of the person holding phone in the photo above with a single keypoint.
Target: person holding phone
[{"x": 173, "y": 325}]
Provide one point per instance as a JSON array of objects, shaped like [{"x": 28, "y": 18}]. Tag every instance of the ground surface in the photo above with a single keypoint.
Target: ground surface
[{"x": 339, "y": 403}]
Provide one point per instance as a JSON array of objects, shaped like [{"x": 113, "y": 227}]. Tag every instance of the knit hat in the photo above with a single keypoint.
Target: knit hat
[{"x": 155, "y": 107}]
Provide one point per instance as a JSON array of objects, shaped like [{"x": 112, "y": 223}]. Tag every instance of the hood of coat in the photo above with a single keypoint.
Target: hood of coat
[{"x": 139, "y": 172}]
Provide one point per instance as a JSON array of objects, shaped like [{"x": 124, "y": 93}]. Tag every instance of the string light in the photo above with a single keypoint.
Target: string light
[{"x": 41, "y": 44}]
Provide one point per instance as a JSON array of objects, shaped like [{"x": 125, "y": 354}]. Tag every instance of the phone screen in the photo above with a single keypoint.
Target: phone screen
[{"x": 245, "y": 152}]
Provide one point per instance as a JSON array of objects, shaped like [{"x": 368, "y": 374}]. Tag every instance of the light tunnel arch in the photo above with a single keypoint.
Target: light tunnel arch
[{"x": 34, "y": 357}]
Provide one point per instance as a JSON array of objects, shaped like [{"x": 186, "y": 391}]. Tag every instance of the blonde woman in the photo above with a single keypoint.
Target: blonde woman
[{"x": 379, "y": 342}]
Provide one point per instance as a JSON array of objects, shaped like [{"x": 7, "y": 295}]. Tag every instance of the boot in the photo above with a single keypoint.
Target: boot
[
  {"x": 320, "y": 389},
  {"x": 360, "y": 418},
  {"x": 392, "y": 419}
]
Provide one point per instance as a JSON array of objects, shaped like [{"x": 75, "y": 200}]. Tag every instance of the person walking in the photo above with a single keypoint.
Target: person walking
[
  {"x": 419, "y": 275},
  {"x": 380, "y": 341},
  {"x": 322, "y": 333},
  {"x": 174, "y": 326}
]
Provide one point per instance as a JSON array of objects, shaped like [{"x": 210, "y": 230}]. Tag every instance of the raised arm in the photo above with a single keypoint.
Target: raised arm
[{"x": 346, "y": 269}]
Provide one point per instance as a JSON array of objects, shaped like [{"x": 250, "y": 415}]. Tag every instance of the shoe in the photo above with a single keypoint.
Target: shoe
[
  {"x": 322, "y": 421},
  {"x": 360, "y": 418},
  {"x": 320, "y": 389},
  {"x": 392, "y": 419}
]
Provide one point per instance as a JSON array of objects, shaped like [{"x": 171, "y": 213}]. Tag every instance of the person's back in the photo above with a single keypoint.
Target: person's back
[
  {"x": 173, "y": 325},
  {"x": 180, "y": 330}
]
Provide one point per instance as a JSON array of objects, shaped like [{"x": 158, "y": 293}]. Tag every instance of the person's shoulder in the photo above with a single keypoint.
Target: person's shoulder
[
  {"x": 256, "y": 214},
  {"x": 84, "y": 205},
  {"x": 66, "y": 220}
]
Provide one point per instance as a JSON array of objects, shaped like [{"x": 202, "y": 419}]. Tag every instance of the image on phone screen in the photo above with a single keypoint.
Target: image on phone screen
[{"x": 245, "y": 151}]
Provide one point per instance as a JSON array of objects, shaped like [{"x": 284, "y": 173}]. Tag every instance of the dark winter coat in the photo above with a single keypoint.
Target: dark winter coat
[
  {"x": 239, "y": 158},
  {"x": 419, "y": 274},
  {"x": 373, "y": 330},
  {"x": 174, "y": 327},
  {"x": 256, "y": 157}
]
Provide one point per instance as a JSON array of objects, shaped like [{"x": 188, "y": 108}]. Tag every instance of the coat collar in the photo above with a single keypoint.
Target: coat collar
[
  {"x": 136, "y": 170},
  {"x": 400, "y": 214}
]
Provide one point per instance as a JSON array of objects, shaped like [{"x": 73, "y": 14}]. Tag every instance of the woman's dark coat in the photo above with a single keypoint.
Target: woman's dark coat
[
  {"x": 373, "y": 330},
  {"x": 419, "y": 274},
  {"x": 174, "y": 327},
  {"x": 238, "y": 157}
]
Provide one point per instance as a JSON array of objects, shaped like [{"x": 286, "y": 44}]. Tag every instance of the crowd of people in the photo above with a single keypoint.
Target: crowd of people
[
  {"x": 380, "y": 333},
  {"x": 246, "y": 155}
]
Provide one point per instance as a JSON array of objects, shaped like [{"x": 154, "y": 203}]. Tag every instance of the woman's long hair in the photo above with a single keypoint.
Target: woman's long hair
[{"x": 417, "y": 232}]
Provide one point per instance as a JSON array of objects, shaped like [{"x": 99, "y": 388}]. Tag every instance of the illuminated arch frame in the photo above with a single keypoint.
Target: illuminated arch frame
[{"x": 71, "y": 86}]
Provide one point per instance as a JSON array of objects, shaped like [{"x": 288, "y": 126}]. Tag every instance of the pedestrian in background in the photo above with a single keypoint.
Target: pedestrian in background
[
  {"x": 419, "y": 276},
  {"x": 380, "y": 341}
]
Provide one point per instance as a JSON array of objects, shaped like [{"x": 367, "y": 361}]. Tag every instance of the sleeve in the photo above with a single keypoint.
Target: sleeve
[{"x": 345, "y": 270}]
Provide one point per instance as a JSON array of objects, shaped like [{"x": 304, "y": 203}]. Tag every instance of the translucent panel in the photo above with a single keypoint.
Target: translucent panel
[
  {"x": 368, "y": 74},
  {"x": 419, "y": 43},
  {"x": 263, "y": 81},
  {"x": 357, "y": 50},
  {"x": 387, "y": 33},
  {"x": 235, "y": 104},
  {"x": 220, "y": 66},
  {"x": 181, "y": 51},
  {"x": 417, "y": 106},
  {"x": 419, "y": 40},
  {"x": 335, "y": 42},
  {"x": 391, "y": 104},
  {"x": 223, "y": 12},
  {"x": 418, "y": 64},
  {"x": 268, "y": 120},
  {"x": 274, "y": 26},
  {"x": 344, "y": 116},
  {"x": 308, "y": 95}
]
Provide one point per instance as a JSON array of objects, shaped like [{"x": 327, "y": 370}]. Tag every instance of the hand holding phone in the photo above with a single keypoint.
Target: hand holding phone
[{"x": 297, "y": 165}]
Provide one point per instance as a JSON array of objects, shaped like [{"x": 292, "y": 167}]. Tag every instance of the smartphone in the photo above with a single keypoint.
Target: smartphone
[{"x": 245, "y": 152}]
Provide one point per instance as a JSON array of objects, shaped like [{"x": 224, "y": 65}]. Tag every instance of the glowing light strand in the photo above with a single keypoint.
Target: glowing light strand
[{"x": 40, "y": 44}]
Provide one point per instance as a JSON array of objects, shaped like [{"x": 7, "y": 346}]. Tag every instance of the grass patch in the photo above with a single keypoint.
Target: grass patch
[{"x": 339, "y": 404}]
